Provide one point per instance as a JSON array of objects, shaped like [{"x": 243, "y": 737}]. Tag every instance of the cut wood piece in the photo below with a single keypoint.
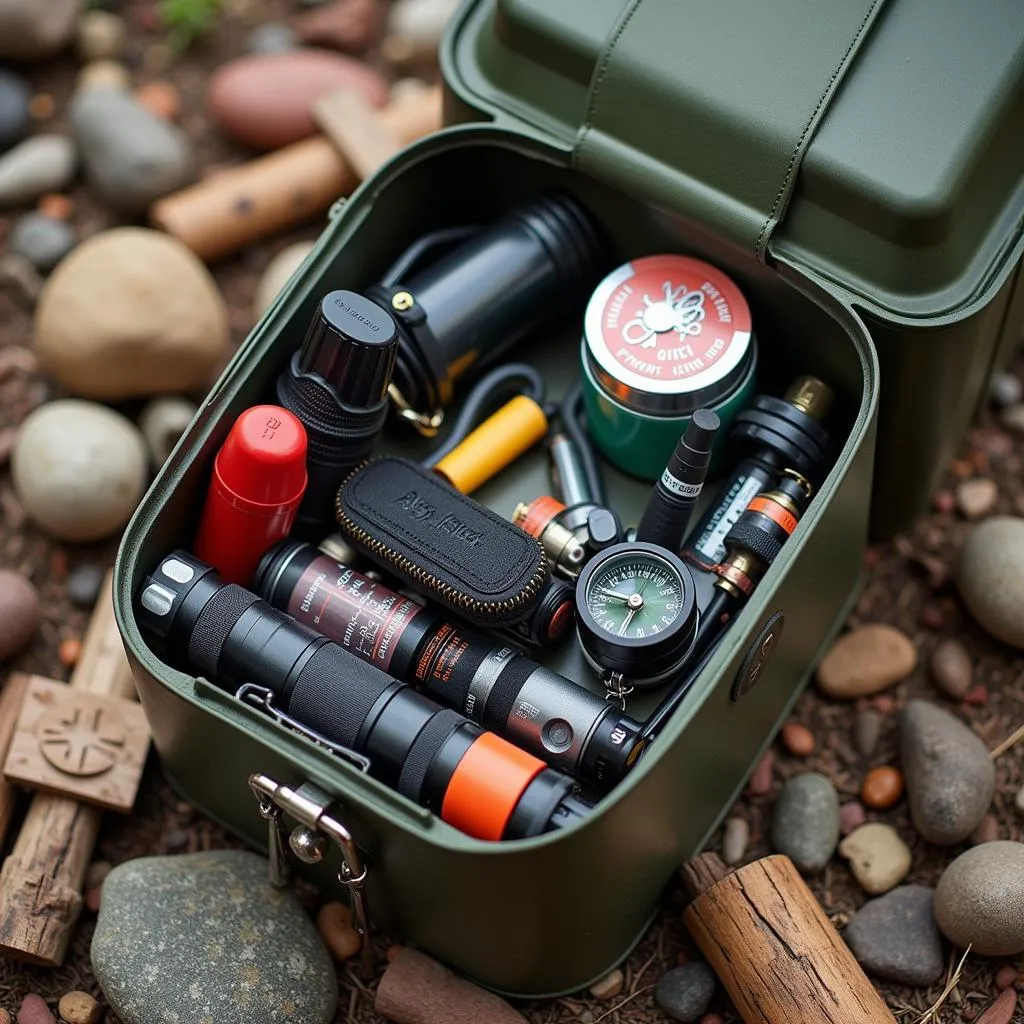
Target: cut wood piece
[
  {"x": 41, "y": 881},
  {"x": 777, "y": 954},
  {"x": 10, "y": 703},
  {"x": 89, "y": 746}
]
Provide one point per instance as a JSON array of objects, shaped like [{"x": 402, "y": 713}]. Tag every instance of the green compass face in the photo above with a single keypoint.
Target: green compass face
[{"x": 635, "y": 596}]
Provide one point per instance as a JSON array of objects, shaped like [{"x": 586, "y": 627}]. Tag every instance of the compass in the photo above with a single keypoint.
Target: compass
[{"x": 637, "y": 615}]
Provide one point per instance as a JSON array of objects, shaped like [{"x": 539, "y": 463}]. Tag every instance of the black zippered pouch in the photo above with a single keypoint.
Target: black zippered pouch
[{"x": 449, "y": 547}]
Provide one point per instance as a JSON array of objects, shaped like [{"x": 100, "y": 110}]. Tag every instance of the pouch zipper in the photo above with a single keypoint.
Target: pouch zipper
[{"x": 488, "y": 613}]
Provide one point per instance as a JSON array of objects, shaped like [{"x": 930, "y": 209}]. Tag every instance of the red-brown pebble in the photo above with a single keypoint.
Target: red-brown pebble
[
  {"x": 91, "y": 899},
  {"x": 932, "y": 617},
  {"x": 334, "y": 922},
  {"x": 160, "y": 98},
  {"x": 986, "y": 831},
  {"x": 977, "y": 695},
  {"x": 41, "y": 106},
  {"x": 871, "y": 557},
  {"x": 33, "y": 1010},
  {"x": 391, "y": 952},
  {"x": 884, "y": 704},
  {"x": 797, "y": 739},
  {"x": 682, "y": 957},
  {"x": 944, "y": 501},
  {"x": 69, "y": 652},
  {"x": 882, "y": 787},
  {"x": 761, "y": 781},
  {"x": 54, "y": 205},
  {"x": 968, "y": 1013},
  {"x": 711, "y": 1018},
  {"x": 1002, "y": 1010},
  {"x": 58, "y": 565},
  {"x": 1007, "y": 976},
  {"x": 851, "y": 816}
]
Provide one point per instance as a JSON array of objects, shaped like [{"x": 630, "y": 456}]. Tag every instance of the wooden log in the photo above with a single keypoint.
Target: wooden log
[
  {"x": 10, "y": 703},
  {"x": 41, "y": 881},
  {"x": 777, "y": 954},
  {"x": 241, "y": 205}
]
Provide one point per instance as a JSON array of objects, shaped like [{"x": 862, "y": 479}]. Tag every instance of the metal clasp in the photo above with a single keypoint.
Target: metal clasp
[
  {"x": 426, "y": 424},
  {"x": 312, "y": 808}
]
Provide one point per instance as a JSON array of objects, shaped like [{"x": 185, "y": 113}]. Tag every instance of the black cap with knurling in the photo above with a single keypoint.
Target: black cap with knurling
[{"x": 351, "y": 343}]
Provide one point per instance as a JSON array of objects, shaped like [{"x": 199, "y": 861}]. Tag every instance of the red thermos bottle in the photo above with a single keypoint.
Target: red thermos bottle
[{"x": 259, "y": 477}]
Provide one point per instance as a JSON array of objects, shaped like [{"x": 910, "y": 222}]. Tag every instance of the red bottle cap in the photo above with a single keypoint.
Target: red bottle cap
[{"x": 262, "y": 464}]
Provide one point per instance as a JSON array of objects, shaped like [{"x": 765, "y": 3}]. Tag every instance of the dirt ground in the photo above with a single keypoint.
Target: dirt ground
[{"x": 909, "y": 587}]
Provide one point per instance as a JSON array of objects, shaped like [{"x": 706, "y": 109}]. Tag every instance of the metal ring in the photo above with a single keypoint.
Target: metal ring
[{"x": 426, "y": 425}]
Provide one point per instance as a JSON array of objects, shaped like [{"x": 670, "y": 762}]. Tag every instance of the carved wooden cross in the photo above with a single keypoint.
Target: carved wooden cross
[{"x": 82, "y": 744}]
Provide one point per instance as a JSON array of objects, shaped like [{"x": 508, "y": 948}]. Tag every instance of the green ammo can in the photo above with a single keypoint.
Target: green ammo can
[{"x": 857, "y": 170}]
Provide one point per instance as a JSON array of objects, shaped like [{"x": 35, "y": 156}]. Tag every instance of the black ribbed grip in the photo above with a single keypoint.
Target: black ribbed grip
[
  {"x": 334, "y": 693},
  {"x": 214, "y": 624},
  {"x": 423, "y": 751},
  {"x": 761, "y": 541},
  {"x": 505, "y": 691}
]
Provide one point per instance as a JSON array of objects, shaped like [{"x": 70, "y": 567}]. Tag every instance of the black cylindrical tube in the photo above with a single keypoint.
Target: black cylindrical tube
[
  {"x": 494, "y": 685},
  {"x": 337, "y": 385},
  {"x": 674, "y": 496},
  {"x": 473, "y": 779},
  {"x": 466, "y": 308}
]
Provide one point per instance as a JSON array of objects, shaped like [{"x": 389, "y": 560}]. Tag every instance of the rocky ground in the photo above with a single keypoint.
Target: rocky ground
[{"x": 855, "y": 766}]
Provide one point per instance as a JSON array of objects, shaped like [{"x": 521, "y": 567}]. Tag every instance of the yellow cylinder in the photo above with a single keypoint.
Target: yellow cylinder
[{"x": 515, "y": 428}]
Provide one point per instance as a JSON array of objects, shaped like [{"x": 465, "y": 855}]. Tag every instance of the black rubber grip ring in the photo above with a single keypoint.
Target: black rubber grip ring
[
  {"x": 423, "y": 751},
  {"x": 214, "y": 624}
]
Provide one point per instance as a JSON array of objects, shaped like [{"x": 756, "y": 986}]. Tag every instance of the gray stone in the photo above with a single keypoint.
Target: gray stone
[
  {"x": 950, "y": 777},
  {"x": 867, "y": 730},
  {"x": 79, "y": 469},
  {"x": 735, "y": 838},
  {"x": 19, "y": 613},
  {"x": 1012, "y": 418},
  {"x": 14, "y": 97},
  {"x": 684, "y": 992},
  {"x": 952, "y": 669},
  {"x": 131, "y": 157},
  {"x": 43, "y": 241},
  {"x": 1006, "y": 389},
  {"x": 895, "y": 937},
  {"x": 30, "y": 29},
  {"x": 203, "y": 936},
  {"x": 162, "y": 423},
  {"x": 271, "y": 37},
  {"x": 806, "y": 823},
  {"x": 43, "y": 163},
  {"x": 20, "y": 277},
  {"x": 979, "y": 901},
  {"x": 83, "y": 585},
  {"x": 101, "y": 36},
  {"x": 990, "y": 576}
]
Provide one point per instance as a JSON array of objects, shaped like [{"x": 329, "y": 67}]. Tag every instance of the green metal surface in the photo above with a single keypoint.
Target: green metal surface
[
  {"x": 639, "y": 444},
  {"x": 877, "y": 147},
  {"x": 551, "y": 914}
]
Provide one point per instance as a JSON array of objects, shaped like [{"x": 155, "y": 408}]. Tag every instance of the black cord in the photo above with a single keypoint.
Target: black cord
[
  {"x": 569, "y": 413},
  {"x": 507, "y": 380}
]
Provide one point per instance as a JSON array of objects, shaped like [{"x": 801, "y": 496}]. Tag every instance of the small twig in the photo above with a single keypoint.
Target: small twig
[
  {"x": 628, "y": 999},
  {"x": 639, "y": 974},
  {"x": 931, "y": 1015},
  {"x": 1007, "y": 743}
]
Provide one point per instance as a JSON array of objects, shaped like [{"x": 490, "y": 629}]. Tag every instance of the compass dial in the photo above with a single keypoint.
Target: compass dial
[{"x": 637, "y": 611}]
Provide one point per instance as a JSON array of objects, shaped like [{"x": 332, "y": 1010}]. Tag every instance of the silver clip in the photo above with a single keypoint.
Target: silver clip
[
  {"x": 312, "y": 808},
  {"x": 262, "y": 698},
  {"x": 277, "y": 845}
]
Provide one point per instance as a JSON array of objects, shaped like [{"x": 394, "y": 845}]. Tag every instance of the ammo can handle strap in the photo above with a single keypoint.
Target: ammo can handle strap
[{"x": 706, "y": 107}]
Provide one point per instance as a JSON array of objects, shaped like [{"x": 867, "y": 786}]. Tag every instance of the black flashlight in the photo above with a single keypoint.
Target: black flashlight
[
  {"x": 337, "y": 385},
  {"x": 463, "y": 296}
]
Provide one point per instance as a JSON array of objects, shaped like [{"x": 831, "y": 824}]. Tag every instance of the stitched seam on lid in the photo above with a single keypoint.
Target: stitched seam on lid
[
  {"x": 588, "y": 124},
  {"x": 762, "y": 239}
]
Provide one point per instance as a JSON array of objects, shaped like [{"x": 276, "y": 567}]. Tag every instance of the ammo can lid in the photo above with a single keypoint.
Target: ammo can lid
[
  {"x": 664, "y": 333},
  {"x": 878, "y": 143}
]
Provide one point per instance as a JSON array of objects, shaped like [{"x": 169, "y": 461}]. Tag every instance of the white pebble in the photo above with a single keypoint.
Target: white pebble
[{"x": 734, "y": 840}]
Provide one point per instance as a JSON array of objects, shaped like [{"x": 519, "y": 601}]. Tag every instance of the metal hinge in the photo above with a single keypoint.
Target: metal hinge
[{"x": 318, "y": 823}]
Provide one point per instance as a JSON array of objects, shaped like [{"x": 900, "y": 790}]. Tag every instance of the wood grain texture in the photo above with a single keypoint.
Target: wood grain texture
[
  {"x": 41, "y": 880},
  {"x": 10, "y": 701},
  {"x": 777, "y": 954}
]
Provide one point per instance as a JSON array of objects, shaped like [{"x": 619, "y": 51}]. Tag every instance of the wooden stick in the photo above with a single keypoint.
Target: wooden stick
[
  {"x": 777, "y": 954},
  {"x": 1003, "y": 747},
  {"x": 236, "y": 207},
  {"x": 10, "y": 703},
  {"x": 41, "y": 881}
]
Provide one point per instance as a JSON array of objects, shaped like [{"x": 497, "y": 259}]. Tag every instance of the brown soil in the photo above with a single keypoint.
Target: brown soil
[{"x": 909, "y": 587}]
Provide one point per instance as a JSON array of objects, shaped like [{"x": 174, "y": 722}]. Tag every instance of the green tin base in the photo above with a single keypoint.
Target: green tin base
[{"x": 641, "y": 445}]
